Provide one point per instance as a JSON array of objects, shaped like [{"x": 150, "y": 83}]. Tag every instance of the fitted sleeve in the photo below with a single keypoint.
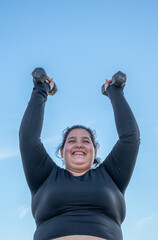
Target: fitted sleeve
[
  {"x": 37, "y": 163},
  {"x": 121, "y": 161}
]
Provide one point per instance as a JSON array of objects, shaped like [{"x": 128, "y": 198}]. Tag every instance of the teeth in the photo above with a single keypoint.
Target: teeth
[{"x": 78, "y": 153}]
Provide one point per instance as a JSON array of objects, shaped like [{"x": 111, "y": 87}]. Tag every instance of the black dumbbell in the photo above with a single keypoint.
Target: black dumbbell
[
  {"x": 40, "y": 76},
  {"x": 118, "y": 79}
]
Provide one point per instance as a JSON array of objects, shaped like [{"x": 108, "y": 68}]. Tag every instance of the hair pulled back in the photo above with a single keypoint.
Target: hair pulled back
[{"x": 92, "y": 134}]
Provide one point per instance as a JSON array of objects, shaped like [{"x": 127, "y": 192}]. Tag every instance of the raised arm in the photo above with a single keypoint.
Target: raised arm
[
  {"x": 121, "y": 160},
  {"x": 36, "y": 161}
]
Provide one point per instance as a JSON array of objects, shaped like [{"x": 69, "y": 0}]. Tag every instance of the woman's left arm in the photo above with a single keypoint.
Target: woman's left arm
[{"x": 121, "y": 160}]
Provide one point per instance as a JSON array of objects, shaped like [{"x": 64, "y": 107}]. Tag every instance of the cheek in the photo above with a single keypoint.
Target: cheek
[
  {"x": 94, "y": 152},
  {"x": 66, "y": 151},
  {"x": 91, "y": 149}
]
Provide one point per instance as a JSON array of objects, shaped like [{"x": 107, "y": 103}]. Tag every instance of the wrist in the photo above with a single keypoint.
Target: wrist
[
  {"x": 44, "y": 87},
  {"x": 112, "y": 89}
]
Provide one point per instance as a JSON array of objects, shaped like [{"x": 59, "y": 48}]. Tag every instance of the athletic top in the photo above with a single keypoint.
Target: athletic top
[{"x": 92, "y": 204}]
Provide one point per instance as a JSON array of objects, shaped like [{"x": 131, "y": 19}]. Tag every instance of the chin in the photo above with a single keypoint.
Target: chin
[{"x": 79, "y": 161}]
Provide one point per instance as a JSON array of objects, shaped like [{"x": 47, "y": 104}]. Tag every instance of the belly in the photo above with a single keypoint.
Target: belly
[{"x": 79, "y": 237}]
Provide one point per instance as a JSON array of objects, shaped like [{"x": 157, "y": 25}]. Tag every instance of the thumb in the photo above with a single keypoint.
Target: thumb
[{"x": 51, "y": 82}]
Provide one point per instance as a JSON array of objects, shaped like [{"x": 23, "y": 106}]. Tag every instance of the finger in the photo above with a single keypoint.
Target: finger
[
  {"x": 110, "y": 81},
  {"x": 52, "y": 83},
  {"x": 49, "y": 79}
]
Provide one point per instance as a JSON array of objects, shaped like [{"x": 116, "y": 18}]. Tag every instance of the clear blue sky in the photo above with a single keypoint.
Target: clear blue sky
[{"x": 79, "y": 43}]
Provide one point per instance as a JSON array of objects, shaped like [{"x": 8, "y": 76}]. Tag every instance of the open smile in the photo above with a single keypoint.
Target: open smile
[{"x": 79, "y": 153}]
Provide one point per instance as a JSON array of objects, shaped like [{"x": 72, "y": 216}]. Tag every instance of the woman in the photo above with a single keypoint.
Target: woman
[{"x": 79, "y": 202}]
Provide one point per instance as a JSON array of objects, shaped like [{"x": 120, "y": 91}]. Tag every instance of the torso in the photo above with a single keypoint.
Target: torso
[
  {"x": 81, "y": 213},
  {"x": 79, "y": 237}
]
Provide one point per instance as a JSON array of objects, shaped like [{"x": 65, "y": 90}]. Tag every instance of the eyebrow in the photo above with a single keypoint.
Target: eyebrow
[{"x": 82, "y": 137}]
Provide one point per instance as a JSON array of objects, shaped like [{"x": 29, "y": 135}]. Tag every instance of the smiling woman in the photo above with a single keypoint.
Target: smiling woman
[
  {"x": 78, "y": 152},
  {"x": 79, "y": 202},
  {"x": 88, "y": 137}
]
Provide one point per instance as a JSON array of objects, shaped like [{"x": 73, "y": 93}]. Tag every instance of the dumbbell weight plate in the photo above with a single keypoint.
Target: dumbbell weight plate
[
  {"x": 39, "y": 75},
  {"x": 119, "y": 79}
]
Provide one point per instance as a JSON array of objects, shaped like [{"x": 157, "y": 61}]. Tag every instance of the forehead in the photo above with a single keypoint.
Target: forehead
[{"x": 79, "y": 132}]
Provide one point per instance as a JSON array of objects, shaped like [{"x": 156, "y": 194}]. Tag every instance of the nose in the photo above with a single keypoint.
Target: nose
[{"x": 79, "y": 145}]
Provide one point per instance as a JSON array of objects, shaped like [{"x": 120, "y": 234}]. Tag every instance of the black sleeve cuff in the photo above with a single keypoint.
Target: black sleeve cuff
[
  {"x": 112, "y": 89},
  {"x": 42, "y": 87}
]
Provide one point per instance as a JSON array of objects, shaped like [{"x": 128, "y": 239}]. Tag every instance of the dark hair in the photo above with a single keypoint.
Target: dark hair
[{"x": 92, "y": 134}]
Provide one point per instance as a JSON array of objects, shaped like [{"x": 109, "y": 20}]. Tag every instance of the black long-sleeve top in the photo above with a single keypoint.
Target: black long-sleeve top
[{"x": 91, "y": 204}]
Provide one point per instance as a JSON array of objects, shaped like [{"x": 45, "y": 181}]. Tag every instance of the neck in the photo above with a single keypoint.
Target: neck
[{"x": 74, "y": 173}]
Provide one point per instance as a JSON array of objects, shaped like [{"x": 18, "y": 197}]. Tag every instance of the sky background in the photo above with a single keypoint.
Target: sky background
[{"x": 80, "y": 43}]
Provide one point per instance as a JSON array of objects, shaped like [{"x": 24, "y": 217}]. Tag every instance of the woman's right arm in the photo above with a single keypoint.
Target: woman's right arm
[{"x": 37, "y": 163}]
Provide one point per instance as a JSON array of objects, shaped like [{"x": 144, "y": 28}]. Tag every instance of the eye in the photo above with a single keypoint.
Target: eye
[
  {"x": 86, "y": 141},
  {"x": 71, "y": 141}
]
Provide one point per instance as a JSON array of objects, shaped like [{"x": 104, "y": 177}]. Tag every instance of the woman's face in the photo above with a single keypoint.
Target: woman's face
[{"x": 78, "y": 151}]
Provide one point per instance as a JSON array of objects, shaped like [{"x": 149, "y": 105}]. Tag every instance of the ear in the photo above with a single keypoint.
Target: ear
[{"x": 61, "y": 152}]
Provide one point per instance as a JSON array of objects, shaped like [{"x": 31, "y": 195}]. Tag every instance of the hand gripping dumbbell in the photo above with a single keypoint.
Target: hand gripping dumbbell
[
  {"x": 118, "y": 79},
  {"x": 40, "y": 76}
]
